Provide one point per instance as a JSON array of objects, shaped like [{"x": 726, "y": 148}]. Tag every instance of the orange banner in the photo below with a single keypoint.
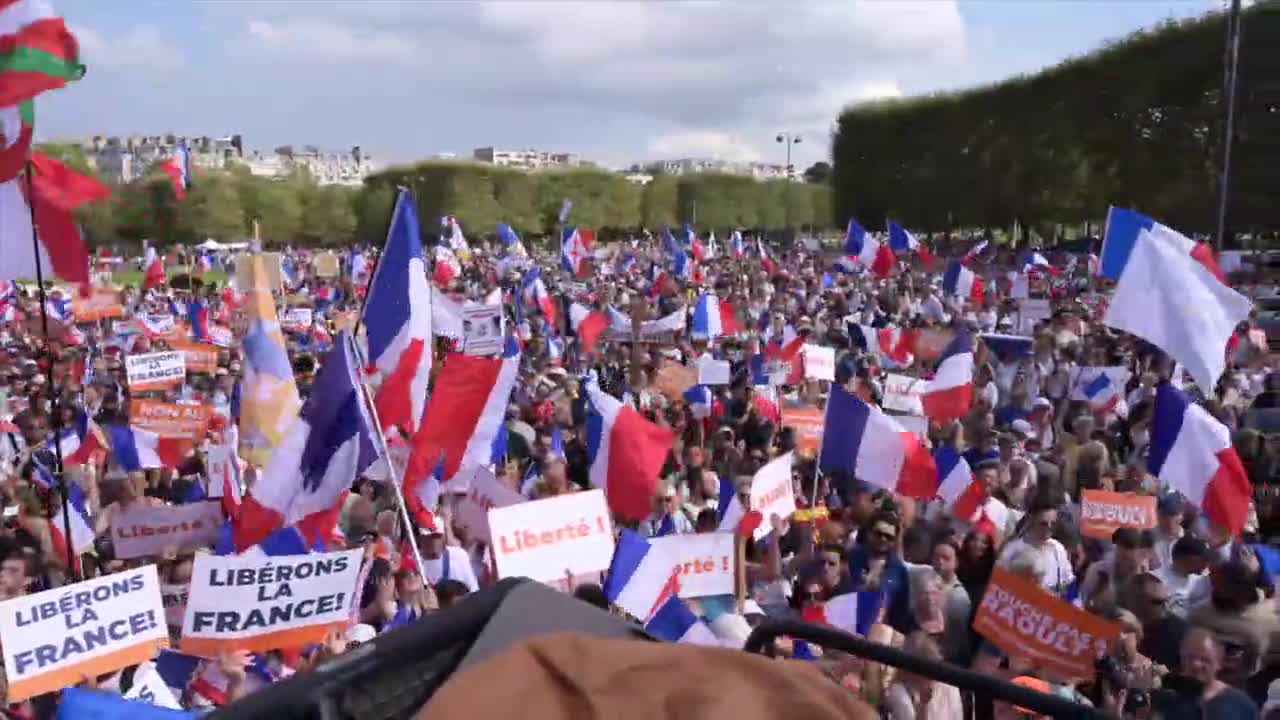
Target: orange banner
[
  {"x": 807, "y": 424},
  {"x": 171, "y": 420},
  {"x": 1103, "y": 512},
  {"x": 1024, "y": 620},
  {"x": 101, "y": 305},
  {"x": 198, "y": 357}
]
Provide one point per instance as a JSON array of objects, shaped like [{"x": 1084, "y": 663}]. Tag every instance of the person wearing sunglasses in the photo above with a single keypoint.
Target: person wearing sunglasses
[{"x": 876, "y": 569}]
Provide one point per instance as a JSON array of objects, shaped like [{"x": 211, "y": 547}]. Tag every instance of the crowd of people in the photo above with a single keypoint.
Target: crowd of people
[{"x": 1198, "y": 630}]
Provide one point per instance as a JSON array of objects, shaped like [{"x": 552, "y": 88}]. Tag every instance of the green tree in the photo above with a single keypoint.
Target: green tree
[
  {"x": 819, "y": 172},
  {"x": 373, "y": 205},
  {"x": 658, "y": 205},
  {"x": 211, "y": 209},
  {"x": 328, "y": 214}
]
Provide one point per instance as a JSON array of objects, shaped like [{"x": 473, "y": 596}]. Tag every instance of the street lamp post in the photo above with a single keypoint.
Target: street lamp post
[{"x": 788, "y": 139}]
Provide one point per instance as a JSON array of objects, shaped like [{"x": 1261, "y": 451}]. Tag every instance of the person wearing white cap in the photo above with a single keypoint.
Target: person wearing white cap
[{"x": 442, "y": 561}]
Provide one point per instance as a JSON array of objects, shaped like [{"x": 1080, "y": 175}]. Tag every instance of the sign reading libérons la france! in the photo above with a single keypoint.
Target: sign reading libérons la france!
[{"x": 57, "y": 638}]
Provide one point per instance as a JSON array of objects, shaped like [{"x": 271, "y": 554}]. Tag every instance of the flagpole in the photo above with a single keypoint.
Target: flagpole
[
  {"x": 55, "y": 416},
  {"x": 386, "y": 454}
]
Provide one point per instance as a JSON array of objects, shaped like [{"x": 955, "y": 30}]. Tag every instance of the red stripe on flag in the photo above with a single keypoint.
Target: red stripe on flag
[
  {"x": 949, "y": 404},
  {"x": 1227, "y": 497},
  {"x": 394, "y": 401}
]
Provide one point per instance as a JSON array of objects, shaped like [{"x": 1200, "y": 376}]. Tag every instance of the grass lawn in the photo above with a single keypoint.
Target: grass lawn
[{"x": 134, "y": 277}]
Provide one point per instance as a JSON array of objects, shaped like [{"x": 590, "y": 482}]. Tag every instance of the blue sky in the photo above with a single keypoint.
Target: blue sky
[{"x": 616, "y": 82}]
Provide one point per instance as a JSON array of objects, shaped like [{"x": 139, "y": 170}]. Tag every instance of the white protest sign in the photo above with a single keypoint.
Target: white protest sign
[
  {"x": 482, "y": 330},
  {"x": 56, "y": 638},
  {"x": 704, "y": 562},
  {"x": 819, "y": 363},
  {"x": 297, "y": 318},
  {"x": 544, "y": 538},
  {"x": 156, "y": 370},
  {"x": 772, "y": 493},
  {"x": 149, "y": 687},
  {"x": 160, "y": 324},
  {"x": 221, "y": 336},
  {"x": 713, "y": 372},
  {"x": 902, "y": 394},
  {"x": 1032, "y": 311},
  {"x": 243, "y": 602},
  {"x": 147, "y": 531},
  {"x": 174, "y": 597},
  {"x": 484, "y": 494}
]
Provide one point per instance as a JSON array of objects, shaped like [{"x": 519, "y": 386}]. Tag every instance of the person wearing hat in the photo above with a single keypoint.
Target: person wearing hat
[{"x": 442, "y": 560}]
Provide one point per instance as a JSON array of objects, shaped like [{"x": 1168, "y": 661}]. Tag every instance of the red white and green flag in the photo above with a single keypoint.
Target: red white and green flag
[{"x": 37, "y": 52}]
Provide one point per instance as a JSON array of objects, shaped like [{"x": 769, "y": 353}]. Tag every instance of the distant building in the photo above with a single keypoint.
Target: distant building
[
  {"x": 693, "y": 166},
  {"x": 124, "y": 159},
  {"x": 527, "y": 159}
]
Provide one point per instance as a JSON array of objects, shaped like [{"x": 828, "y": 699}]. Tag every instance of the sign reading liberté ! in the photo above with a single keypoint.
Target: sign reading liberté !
[
  {"x": 57, "y": 638},
  {"x": 544, "y": 539},
  {"x": 151, "y": 530},
  {"x": 703, "y": 562},
  {"x": 154, "y": 371},
  {"x": 260, "y": 603},
  {"x": 484, "y": 493}
]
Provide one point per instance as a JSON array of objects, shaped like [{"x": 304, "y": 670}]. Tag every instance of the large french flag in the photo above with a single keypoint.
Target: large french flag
[
  {"x": 626, "y": 452},
  {"x": 960, "y": 281},
  {"x": 327, "y": 446},
  {"x": 1191, "y": 452},
  {"x": 675, "y": 622},
  {"x": 891, "y": 344},
  {"x": 1101, "y": 387},
  {"x": 712, "y": 319},
  {"x": 950, "y": 393},
  {"x": 535, "y": 293},
  {"x": 136, "y": 449},
  {"x": 1121, "y": 236},
  {"x": 1032, "y": 260},
  {"x": 861, "y": 440},
  {"x": 397, "y": 320},
  {"x": 463, "y": 418}
]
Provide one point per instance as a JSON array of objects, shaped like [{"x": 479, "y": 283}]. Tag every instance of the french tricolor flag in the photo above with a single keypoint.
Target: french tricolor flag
[
  {"x": 462, "y": 420},
  {"x": 575, "y": 251},
  {"x": 712, "y": 319},
  {"x": 675, "y": 622},
  {"x": 136, "y": 449},
  {"x": 739, "y": 247},
  {"x": 903, "y": 241},
  {"x": 178, "y": 168},
  {"x": 535, "y": 293},
  {"x": 397, "y": 320},
  {"x": 589, "y": 325},
  {"x": 639, "y": 575},
  {"x": 154, "y": 265},
  {"x": 1033, "y": 260},
  {"x": 891, "y": 344},
  {"x": 1192, "y": 453},
  {"x": 974, "y": 252},
  {"x": 1101, "y": 387},
  {"x": 626, "y": 453},
  {"x": 861, "y": 440},
  {"x": 198, "y": 316},
  {"x": 80, "y": 530},
  {"x": 960, "y": 281},
  {"x": 868, "y": 251},
  {"x": 961, "y": 493},
  {"x": 701, "y": 401},
  {"x": 769, "y": 266},
  {"x": 1121, "y": 235},
  {"x": 948, "y": 395}
]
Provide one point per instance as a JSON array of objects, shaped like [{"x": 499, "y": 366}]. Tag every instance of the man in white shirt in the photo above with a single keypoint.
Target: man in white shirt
[
  {"x": 442, "y": 561},
  {"x": 1185, "y": 575},
  {"x": 1038, "y": 542}
]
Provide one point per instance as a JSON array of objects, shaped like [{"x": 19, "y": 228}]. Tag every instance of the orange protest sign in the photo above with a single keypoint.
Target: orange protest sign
[
  {"x": 807, "y": 424},
  {"x": 171, "y": 420},
  {"x": 1024, "y": 620},
  {"x": 672, "y": 380},
  {"x": 198, "y": 357},
  {"x": 1103, "y": 512},
  {"x": 103, "y": 304}
]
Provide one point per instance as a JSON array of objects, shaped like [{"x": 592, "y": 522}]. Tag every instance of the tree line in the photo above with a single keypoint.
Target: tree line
[
  {"x": 224, "y": 204},
  {"x": 481, "y": 196},
  {"x": 1137, "y": 124}
]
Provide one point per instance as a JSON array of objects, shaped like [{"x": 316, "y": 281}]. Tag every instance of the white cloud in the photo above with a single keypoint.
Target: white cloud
[
  {"x": 656, "y": 77},
  {"x": 140, "y": 47}
]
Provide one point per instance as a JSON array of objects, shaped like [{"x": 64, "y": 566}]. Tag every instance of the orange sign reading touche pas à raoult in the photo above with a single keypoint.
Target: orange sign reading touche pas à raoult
[{"x": 1026, "y": 621}]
